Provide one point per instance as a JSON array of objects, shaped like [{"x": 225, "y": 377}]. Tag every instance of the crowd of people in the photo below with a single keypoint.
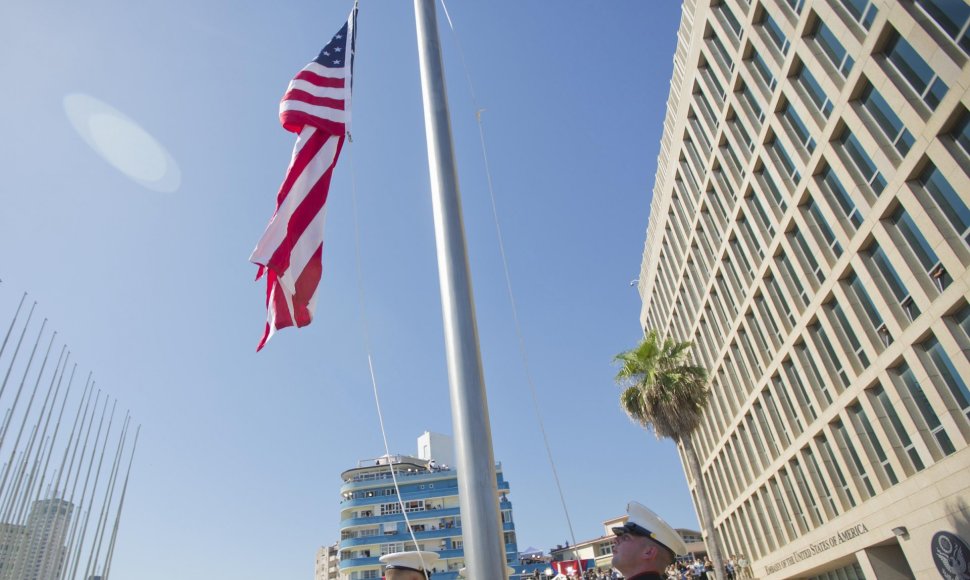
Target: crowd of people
[{"x": 735, "y": 568}]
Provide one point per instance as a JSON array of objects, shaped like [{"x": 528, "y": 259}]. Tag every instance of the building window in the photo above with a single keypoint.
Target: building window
[
  {"x": 864, "y": 164},
  {"x": 949, "y": 375},
  {"x": 847, "y": 330},
  {"x": 807, "y": 255},
  {"x": 775, "y": 33},
  {"x": 785, "y": 164},
  {"x": 748, "y": 99},
  {"x": 783, "y": 508},
  {"x": 875, "y": 319},
  {"x": 713, "y": 81},
  {"x": 835, "y": 363},
  {"x": 815, "y": 218},
  {"x": 962, "y": 320},
  {"x": 771, "y": 188},
  {"x": 828, "y": 456},
  {"x": 926, "y": 411},
  {"x": 961, "y": 133},
  {"x": 829, "y": 43},
  {"x": 953, "y": 16},
  {"x": 833, "y": 187},
  {"x": 947, "y": 200},
  {"x": 819, "y": 479},
  {"x": 799, "y": 132},
  {"x": 864, "y": 427},
  {"x": 889, "y": 275},
  {"x": 911, "y": 66},
  {"x": 819, "y": 384},
  {"x": 882, "y": 399},
  {"x": 721, "y": 52},
  {"x": 862, "y": 11},
  {"x": 801, "y": 393},
  {"x": 795, "y": 5},
  {"x": 842, "y": 436},
  {"x": 880, "y": 111},
  {"x": 814, "y": 91},
  {"x": 918, "y": 245},
  {"x": 727, "y": 16},
  {"x": 788, "y": 273},
  {"x": 741, "y": 133},
  {"x": 761, "y": 67}
]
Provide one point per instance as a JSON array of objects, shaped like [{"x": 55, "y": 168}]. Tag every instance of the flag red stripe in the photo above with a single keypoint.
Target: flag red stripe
[
  {"x": 306, "y": 285},
  {"x": 303, "y": 158},
  {"x": 294, "y": 121},
  {"x": 320, "y": 81},
  {"x": 308, "y": 209},
  {"x": 305, "y": 97}
]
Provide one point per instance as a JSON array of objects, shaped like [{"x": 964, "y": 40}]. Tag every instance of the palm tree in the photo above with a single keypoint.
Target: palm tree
[{"x": 664, "y": 390}]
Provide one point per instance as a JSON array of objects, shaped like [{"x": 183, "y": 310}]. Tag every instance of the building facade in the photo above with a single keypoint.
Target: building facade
[
  {"x": 373, "y": 522},
  {"x": 37, "y": 550},
  {"x": 327, "y": 565},
  {"x": 809, "y": 233}
]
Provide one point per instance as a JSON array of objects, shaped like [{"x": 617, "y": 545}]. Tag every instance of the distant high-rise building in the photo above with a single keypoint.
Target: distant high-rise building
[
  {"x": 373, "y": 524},
  {"x": 328, "y": 563},
  {"x": 37, "y": 550},
  {"x": 809, "y": 233}
]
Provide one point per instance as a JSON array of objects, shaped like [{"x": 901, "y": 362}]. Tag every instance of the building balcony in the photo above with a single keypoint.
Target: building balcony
[
  {"x": 444, "y": 512},
  {"x": 420, "y": 514},
  {"x": 383, "y": 478},
  {"x": 402, "y": 536},
  {"x": 444, "y": 554}
]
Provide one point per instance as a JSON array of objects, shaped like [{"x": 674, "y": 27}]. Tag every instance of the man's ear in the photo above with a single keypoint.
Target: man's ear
[{"x": 651, "y": 551}]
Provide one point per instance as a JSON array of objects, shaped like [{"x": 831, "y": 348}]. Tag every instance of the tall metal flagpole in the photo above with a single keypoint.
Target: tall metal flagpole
[{"x": 481, "y": 524}]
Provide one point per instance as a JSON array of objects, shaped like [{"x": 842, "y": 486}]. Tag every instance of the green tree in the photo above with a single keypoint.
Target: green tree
[{"x": 664, "y": 390}]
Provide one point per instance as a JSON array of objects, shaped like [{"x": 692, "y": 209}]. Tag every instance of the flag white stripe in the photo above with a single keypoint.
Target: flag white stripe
[
  {"x": 334, "y": 115},
  {"x": 301, "y": 140},
  {"x": 338, "y": 93},
  {"x": 303, "y": 250},
  {"x": 325, "y": 71},
  {"x": 276, "y": 230}
]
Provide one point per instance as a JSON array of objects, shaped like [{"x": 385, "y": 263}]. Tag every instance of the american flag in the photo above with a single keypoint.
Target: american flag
[{"x": 316, "y": 107}]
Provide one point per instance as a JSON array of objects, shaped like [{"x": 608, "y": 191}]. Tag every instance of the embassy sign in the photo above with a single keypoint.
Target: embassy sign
[{"x": 818, "y": 547}]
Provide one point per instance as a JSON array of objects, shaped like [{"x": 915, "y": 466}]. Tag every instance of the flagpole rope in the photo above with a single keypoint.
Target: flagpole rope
[
  {"x": 365, "y": 330},
  {"x": 508, "y": 279}
]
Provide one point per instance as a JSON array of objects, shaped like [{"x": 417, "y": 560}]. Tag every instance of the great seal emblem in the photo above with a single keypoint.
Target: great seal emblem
[{"x": 951, "y": 556}]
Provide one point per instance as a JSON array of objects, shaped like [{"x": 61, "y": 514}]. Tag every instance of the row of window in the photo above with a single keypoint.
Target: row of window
[
  {"x": 743, "y": 256},
  {"x": 878, "y": 302},
  {"x": 896, "y": 428}
]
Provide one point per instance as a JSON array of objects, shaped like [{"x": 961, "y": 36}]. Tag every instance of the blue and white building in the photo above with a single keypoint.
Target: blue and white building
[{"x": 372, "y": 522}]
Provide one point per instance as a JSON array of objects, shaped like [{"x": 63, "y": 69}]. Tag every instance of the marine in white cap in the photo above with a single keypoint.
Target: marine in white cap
[
  {"x": 645, "y": 545},
  {"x": 409, "y": 565}
]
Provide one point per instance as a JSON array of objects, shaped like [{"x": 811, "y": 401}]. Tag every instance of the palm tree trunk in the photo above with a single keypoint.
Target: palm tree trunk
[{"x": 707, "y": 520}]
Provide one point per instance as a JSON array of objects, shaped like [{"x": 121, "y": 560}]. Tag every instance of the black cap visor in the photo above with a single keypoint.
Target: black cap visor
[{"x": 637, "y": 530}]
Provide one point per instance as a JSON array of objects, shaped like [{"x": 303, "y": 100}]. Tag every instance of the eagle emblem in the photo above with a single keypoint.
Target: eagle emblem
[{"x": 951, "y": 556}]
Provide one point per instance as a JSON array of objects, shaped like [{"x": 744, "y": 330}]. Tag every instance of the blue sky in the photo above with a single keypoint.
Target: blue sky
[{"x": 237, "y": 472}]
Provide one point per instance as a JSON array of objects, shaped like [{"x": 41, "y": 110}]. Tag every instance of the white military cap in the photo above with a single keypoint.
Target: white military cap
[
  {"x": 417, "y": 561},
  {"x": 509, "y": 570},
  {"x": 643, "y": 522}
]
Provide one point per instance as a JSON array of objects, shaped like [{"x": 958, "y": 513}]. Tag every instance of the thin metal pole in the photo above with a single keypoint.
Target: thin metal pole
[
  {"x": 484, "y": 545},
  {"x": 10, "y": 328},
  {"x": 121, "y": 505}
]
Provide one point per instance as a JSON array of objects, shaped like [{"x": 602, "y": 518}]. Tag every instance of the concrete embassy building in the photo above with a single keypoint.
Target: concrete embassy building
[
  {"x": 809, "y": 233},
  {"x": 373, "y": 524}
]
